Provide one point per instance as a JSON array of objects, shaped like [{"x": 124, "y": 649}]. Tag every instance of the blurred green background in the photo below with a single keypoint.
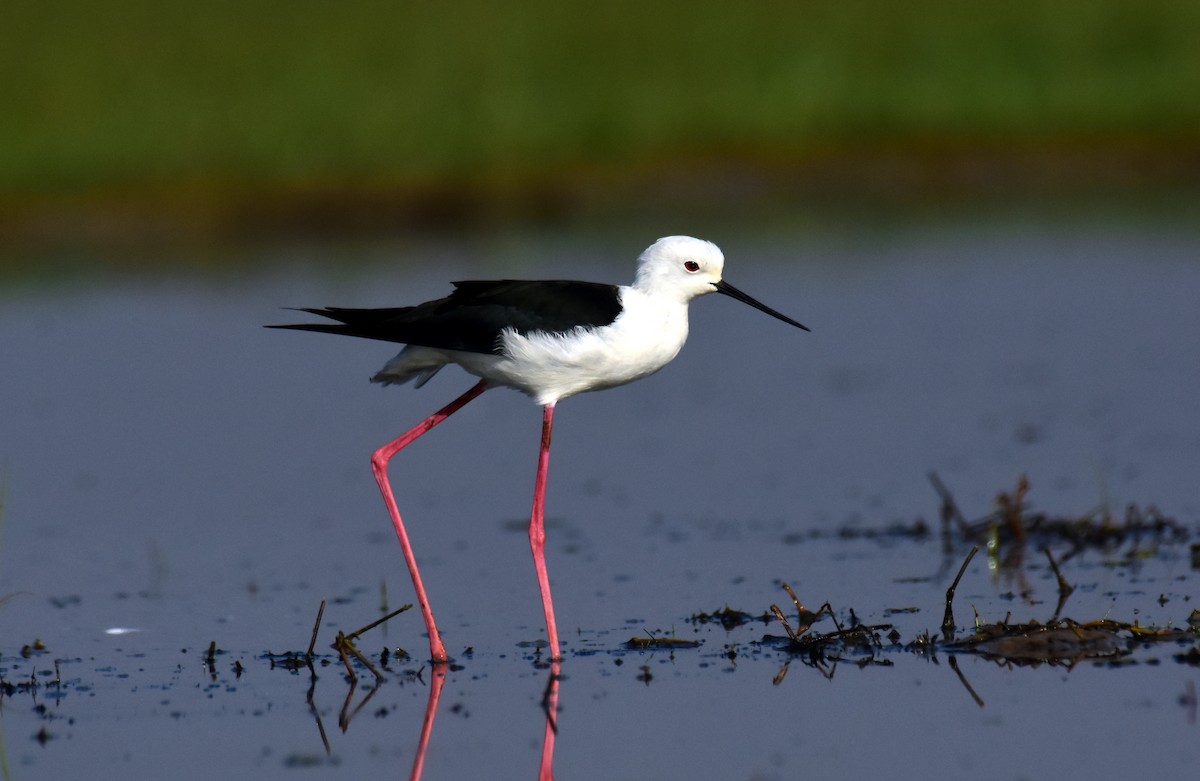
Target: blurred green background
[{"x": 135, "y": 121}]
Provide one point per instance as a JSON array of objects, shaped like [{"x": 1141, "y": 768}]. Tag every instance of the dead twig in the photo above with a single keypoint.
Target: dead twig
[
  {"x": 354, "y": 635},
  {"x": 949, "y": 511},
  {"x": 345, "y": 646},
  {"x": 1012, "y": 507},
  {"x": 948, "y": 617},
  {"x": 316, "y": 627}
]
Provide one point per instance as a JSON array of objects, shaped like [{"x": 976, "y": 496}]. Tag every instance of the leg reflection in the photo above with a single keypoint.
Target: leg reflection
[
  {"x": 436, "y": 681},
  {"x": 550, "y": 706}
]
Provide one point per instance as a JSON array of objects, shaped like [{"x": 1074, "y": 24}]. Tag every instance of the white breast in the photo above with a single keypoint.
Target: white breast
[{"x": 647, "y": 334}]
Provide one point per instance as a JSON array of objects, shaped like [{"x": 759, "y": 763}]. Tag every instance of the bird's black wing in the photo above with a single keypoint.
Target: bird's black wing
[{"x": 472, "y": 317}]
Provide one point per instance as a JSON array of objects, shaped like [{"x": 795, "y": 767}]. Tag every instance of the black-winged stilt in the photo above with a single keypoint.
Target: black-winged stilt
[{"x": 548, "y": 339}]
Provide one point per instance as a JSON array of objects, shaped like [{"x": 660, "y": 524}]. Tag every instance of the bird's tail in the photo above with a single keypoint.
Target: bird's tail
[{"x": 363, "y": 323}]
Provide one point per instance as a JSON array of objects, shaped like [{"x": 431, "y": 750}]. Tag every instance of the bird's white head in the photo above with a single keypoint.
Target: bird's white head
[{"x": 680, "y": 266}]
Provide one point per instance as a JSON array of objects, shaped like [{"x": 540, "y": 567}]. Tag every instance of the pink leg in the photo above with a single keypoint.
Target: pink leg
[
  {"x": 537, "y": 530},
  {"x": 379, "y": 465}
]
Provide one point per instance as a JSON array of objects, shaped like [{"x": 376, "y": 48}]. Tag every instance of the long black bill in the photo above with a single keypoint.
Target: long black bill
[{"x": 733, "y": 292}]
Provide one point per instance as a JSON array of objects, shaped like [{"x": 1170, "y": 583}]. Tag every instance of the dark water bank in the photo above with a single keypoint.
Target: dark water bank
[{"x": 143, "y": 227}]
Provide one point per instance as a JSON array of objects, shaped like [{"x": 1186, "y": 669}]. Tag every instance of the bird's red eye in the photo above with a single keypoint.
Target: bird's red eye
[{"x": 691, "y": 265}]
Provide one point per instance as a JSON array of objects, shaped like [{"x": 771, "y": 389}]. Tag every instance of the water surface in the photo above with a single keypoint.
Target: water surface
[{"x": 172, "y": 468}]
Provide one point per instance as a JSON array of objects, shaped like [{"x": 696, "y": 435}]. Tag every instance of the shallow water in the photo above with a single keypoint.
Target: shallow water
[{"x": 171, "y": 468}]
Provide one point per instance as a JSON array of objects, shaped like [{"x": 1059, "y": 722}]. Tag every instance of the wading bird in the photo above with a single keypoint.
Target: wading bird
[{"x": 548, "y": 339}]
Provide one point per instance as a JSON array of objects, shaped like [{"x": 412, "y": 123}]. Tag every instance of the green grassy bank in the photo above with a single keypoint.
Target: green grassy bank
[{"x": 149, "y": 102}]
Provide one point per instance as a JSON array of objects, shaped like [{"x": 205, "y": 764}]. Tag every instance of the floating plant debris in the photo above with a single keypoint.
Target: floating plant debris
[
  {"x": 651, "y": 642},
  {"x": 727, "y": 617}
]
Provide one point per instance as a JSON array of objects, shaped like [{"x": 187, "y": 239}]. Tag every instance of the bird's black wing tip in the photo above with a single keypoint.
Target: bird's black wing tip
[{"x": 331, "y": 313}]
